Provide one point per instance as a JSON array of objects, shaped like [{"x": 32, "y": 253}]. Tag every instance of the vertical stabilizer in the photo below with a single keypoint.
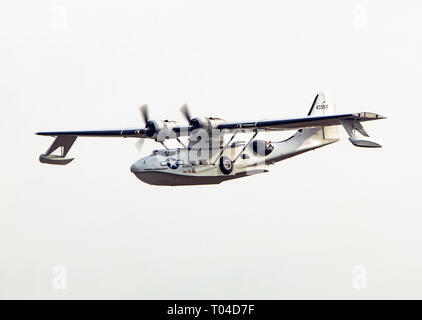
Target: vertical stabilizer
[{"x": 321, "y": 106}]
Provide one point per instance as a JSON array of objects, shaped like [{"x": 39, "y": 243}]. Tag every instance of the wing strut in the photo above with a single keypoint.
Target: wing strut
[
  {"x": 244, "y": 148},
  {"x": 178, "y": 140},
  {"x": 224, "y": 148},
  {"x": 164, "y": 145}
]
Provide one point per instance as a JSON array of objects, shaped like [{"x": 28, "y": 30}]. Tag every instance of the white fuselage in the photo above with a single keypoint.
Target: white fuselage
[{"x": 190, "y": 166}]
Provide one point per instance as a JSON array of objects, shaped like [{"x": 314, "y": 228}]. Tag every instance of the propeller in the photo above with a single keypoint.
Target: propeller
[
  {"x": 186, "y": 113},
  {"x": 144, "y": 112},
  {"x": 145, "y": 116},
  {"x": 139, "y": 144},
  {"x": 150, "y": 127}
]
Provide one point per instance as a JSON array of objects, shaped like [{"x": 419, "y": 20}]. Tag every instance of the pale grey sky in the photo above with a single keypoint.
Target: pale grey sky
[{"x": 296, "y": 232}]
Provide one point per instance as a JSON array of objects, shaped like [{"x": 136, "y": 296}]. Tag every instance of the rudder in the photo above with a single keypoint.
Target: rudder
[{"x": 321, "y": 106}]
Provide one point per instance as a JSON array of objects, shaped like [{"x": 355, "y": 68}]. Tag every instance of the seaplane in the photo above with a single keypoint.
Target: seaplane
[{"x": 208, "y": 158}]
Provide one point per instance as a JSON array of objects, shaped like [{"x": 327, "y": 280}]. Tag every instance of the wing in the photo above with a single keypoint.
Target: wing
[
  {"x": 65, "y": 139},
  {"x": 122, "y": 133},
  {"x": 299, "y": 123}
]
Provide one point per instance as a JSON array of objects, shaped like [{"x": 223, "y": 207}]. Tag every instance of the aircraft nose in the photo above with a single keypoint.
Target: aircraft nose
[
  {"x": 140, "y": 165},
  {"x": 135, "y": 167}
]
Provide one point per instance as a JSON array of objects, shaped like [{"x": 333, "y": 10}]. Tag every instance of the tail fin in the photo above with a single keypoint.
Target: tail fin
[{"x": 321, "y": 106}]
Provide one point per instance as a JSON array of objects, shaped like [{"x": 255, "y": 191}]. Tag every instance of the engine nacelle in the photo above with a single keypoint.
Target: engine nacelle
[
  {"x": 202, "y": 134},
  {"x": 208, "y": 124},
  {"x": 161, "y": 130}
]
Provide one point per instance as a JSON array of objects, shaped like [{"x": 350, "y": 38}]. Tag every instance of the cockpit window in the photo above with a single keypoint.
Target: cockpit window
[{"x": 166, "y": 153}]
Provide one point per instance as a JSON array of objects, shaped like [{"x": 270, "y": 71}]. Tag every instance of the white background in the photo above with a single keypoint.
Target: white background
[{"x": 296, "y": 232}]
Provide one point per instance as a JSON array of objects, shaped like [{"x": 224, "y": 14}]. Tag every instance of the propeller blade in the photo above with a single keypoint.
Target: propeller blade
[
  {"x": 144, "y": 112},
  {"x": 139, "y": 144},
  {"x": 186, "y": 113}
]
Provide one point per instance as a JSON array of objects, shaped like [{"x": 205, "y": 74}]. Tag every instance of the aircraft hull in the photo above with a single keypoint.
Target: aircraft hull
[{"x": 170, "y": 179}]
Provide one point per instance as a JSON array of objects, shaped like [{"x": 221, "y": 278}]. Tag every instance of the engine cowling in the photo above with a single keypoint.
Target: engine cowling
[
  {"x": 202, "y": 133},
  {"x": 161, "y": 130},
  {"x": 208, "y": 124}
]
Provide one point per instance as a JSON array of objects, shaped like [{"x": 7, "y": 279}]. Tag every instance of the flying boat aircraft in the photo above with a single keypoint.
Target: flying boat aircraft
[{"x": 208, "y": 159}]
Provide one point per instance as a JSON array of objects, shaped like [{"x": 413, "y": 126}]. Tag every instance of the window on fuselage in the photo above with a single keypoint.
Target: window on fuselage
[{"x": 262, "y": 148}]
